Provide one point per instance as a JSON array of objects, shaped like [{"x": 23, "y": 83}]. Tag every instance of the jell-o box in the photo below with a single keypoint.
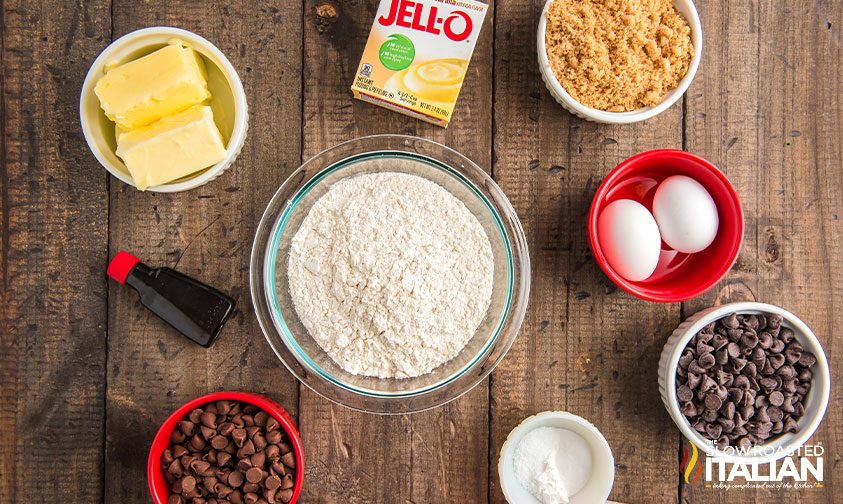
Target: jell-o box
[{"x": 417, "y": 55}]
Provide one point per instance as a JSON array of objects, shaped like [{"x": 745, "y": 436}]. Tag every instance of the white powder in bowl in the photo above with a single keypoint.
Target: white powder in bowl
[
  {"x": 390, "y": 274},
  {"x": 553, "y": 464}
]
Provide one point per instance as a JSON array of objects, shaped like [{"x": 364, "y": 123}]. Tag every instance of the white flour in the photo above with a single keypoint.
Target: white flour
[
  {"x": 391, "y": 274},
  {"x": 552, "y": 464}
]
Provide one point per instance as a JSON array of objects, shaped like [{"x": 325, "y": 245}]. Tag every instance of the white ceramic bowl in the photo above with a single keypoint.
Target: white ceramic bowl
[
  {"x": 815, "y": 402},
  {"x": 687, "y": 9},
  {"x": 603, "y": 470},
  {"x": 228, "y": 102}
]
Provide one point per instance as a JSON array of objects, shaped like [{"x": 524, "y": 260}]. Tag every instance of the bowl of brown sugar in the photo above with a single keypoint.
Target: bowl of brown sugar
[{"x": 618, "y": 61}]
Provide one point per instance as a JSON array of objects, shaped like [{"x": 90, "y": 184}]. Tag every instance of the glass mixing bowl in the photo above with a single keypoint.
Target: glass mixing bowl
[{"x": 292, "y": 342}]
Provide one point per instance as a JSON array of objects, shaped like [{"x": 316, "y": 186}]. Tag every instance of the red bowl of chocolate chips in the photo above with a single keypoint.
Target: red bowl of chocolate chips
[
  {"x": 745, "y": 381},
  {"x": 232, "y": 447}
]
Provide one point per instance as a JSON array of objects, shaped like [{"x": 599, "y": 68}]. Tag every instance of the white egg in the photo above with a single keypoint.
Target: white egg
[
  {"x": 686, "y": 214},
  {"x": 629, "y": 238}
]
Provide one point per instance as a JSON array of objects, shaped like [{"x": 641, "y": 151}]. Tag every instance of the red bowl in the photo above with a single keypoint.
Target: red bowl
[
  {"x": 158, "y": 486},
  {"x": 678, "y": 276}
]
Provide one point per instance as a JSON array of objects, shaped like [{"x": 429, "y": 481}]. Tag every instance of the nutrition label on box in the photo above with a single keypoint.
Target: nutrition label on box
[{"x": 417, "y": 55}]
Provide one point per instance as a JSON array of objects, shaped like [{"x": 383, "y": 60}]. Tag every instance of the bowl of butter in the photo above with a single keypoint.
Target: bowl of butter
[{"x": 163, "y": 110}]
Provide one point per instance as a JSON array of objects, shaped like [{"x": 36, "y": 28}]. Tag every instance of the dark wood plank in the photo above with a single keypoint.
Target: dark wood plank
[
  {"x": 206, "y": 233},
  {"x": 436, "y": 456},
  {"x": 53, "y": 236},
  {"x": 585, "y": 347},
  {"x": 774, "y": 127}
]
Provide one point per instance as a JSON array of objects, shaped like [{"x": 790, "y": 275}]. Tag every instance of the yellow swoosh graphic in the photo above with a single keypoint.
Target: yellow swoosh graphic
[{"x": 691, "y": 463}]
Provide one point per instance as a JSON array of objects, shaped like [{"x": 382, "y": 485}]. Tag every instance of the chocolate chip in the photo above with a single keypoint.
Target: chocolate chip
[
  {"x": 285, "y": 495},
  {"x": 259, "y": 441},
  {"x": 254, "y": 475},
  {"x": 197, "y": 442},
  {"x": 694, "y": 367},
  {"x": 209, "y": 419},
  {"x": 239, "y": 436},
  {"x": 207, "y": 432},
  {"x": 200, "y": 468},
  {"x": 274, "y": 437},
  {"x": 289, "y": 460},
  {"x": 688, "y": 409},
  {"x": 287, "y": 482},
  {"x": 247, "y": 449},
  {"x": 219, "y": 442},
  {"x": 244, "y": 464},
  {"x": 236, "y": 478},
  {"x": 278, "y": 467},
  {"x": 273, "y": 482},
  {"x": 706, "y": 361},
  {"x": 807, "y": 359},
  {"x": 713, "y": 402},
  {"x": 731, "y": 321},
  {"x": 741, "y": 379},
  {"x": 749, "y": 340},
  {"x": 694, "y": 380},
  {"x": 258, "y": 459}
]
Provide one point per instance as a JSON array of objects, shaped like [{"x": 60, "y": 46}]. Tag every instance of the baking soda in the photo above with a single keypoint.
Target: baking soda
[{"x": 553, "y": 464}]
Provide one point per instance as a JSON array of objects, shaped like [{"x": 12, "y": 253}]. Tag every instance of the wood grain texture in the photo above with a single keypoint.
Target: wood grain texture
[
  {"x": 87, "y": 375},
  {"x": 774, "y": 128},
  {"x": 53, "y": 236},
  {"x": 206, "y": 233},
  {"x": 436, "y": 456},
  {"x": 585, "y": 347}
]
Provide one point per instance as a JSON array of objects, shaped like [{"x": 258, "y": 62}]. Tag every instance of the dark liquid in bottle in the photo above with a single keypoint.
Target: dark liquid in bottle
[{"x": 193, "y": 308}]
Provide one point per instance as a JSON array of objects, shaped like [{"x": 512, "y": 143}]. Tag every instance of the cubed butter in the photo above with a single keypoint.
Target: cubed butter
[
  {"x": 159, "y": 84},
  {"x": 171, "y": 148}
]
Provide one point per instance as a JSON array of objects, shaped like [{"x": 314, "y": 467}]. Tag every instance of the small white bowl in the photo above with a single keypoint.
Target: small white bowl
[
  {"x": 687, "y": 9},
  {"x": 815, "y": 402},
  {"x": 602, "y": 477},
  {"x": 228, "y": 102}
]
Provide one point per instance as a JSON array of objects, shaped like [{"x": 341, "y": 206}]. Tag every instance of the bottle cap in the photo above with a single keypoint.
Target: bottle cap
[{"x": 121, "y": 265}]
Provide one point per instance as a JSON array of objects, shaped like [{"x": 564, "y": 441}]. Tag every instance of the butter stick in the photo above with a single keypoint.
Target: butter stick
[
  {"x": 159, "y": 84},
  {"x": 171, "y": 148}
]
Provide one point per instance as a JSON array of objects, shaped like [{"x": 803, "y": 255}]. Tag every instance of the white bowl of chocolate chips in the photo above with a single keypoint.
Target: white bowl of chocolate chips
[{"x": 745, "y": 381}]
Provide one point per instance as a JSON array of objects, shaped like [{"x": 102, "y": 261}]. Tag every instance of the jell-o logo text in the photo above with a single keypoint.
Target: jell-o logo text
[{"x": 409, "y": 14}]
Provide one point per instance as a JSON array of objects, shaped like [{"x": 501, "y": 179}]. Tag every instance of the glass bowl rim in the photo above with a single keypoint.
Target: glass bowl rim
[
  {"x": 272, "y": 249},
  {"x": 506, "y": 220}
]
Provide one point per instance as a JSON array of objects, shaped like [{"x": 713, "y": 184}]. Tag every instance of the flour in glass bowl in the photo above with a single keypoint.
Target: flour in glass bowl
[{"x": 391, "y": 274}]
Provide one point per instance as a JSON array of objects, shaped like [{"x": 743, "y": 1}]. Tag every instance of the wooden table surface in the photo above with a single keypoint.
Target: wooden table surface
[{"x": 87, "y": 375}]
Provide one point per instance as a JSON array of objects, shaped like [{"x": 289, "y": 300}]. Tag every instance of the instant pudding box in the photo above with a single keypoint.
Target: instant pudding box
[{"x": 417, "y": 55}]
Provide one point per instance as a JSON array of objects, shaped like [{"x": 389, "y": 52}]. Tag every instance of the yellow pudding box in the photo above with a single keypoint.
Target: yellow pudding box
[{"x": 417, "y": 55}]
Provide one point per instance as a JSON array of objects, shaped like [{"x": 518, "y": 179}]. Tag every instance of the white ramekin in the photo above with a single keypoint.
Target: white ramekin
[
  {"x": 687, "y": 9},
  {"x": 815, "y": 403},
  {"x": 131, "y": 46},
  {"x": 602, "y": 478}
]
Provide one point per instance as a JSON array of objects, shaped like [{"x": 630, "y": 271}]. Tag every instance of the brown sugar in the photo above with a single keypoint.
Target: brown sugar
[{"x": 617, "y": 55}]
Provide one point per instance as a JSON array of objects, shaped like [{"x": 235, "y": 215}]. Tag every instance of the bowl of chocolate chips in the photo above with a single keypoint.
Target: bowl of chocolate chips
[
  {"x": 227, "y": 447},
  {"x": 745, "y": 381}
]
